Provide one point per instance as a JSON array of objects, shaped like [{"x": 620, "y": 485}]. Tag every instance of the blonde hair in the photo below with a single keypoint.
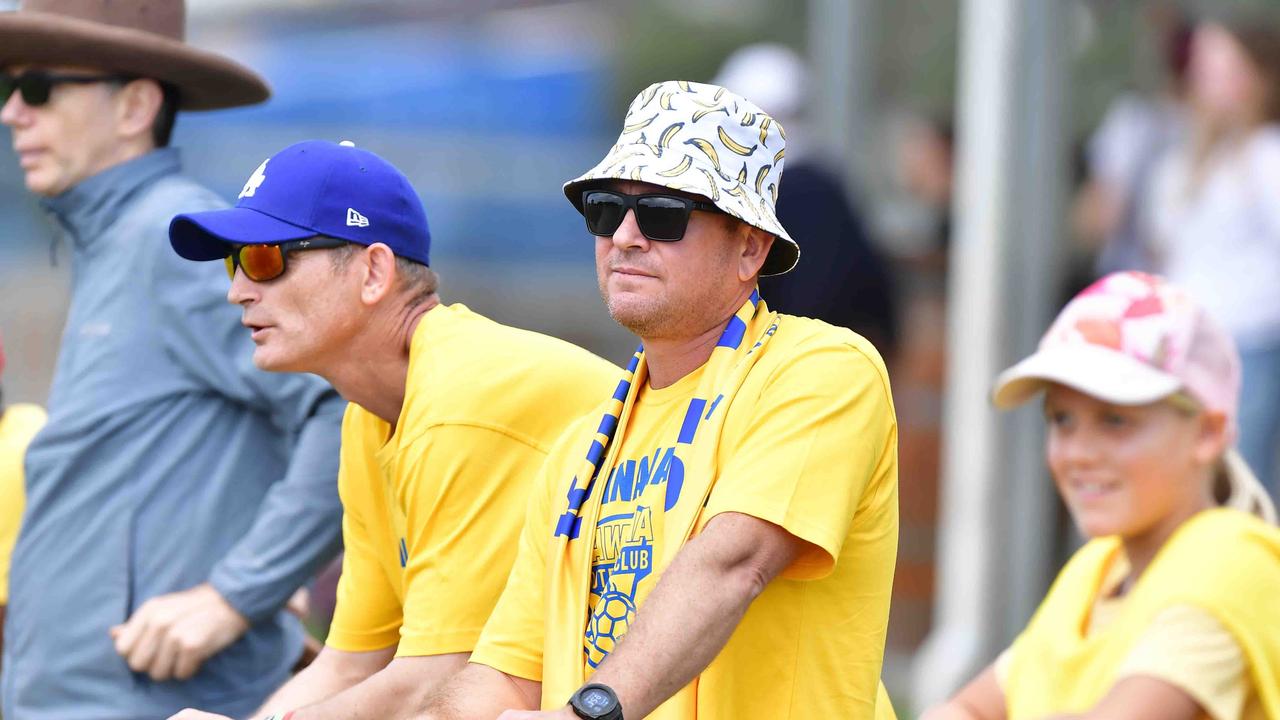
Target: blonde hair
[
  {"x": 1234, "y": 484},
  {"x": 1237, "y": 487}
]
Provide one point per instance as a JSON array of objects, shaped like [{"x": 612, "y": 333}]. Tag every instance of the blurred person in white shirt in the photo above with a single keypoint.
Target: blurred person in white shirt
[
  {"x": 1214, "y": 210},
  {"x": 1136, "y": 131}
]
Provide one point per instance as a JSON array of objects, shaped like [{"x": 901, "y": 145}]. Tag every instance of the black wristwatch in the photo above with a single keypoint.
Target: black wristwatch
[{"x": 594, "y": 701}]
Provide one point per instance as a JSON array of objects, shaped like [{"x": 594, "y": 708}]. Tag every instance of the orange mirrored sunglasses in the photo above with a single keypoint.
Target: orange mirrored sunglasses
[{"x": 261, "y": 263}]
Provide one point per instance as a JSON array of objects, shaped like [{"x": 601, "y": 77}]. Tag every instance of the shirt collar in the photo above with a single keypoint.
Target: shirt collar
[{"x": 93, "y": 204}]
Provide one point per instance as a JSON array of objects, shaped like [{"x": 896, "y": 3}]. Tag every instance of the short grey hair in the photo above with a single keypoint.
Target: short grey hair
[{"x": 416, "y": 280}]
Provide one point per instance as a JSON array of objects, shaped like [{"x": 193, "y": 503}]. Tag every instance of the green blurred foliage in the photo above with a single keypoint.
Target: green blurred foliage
[
  {"x": 1115, "y": 55},
  {"x": 917, "y": 48},
  {"x": 658, "y": 41},
  {"x": 918, "y": 55}
]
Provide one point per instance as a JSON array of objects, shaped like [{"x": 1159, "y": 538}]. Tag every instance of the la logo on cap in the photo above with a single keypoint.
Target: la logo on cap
[
  {"x": 255, "y": 181},
  {"x": 355, "y": 219}
]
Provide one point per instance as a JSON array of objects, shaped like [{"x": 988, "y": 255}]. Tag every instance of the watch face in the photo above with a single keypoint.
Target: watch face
[{"x": 596, "y": 701}]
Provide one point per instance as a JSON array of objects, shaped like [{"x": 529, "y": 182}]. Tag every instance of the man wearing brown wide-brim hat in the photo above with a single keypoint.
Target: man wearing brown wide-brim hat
[{"x": 178, "y": 496}]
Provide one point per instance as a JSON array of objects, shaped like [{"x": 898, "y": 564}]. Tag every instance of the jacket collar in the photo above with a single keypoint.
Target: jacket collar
[{"x": 88, "y": 208}]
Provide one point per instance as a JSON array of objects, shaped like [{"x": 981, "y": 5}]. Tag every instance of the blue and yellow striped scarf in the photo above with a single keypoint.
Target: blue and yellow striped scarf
[{"x": 742, "y": 342}]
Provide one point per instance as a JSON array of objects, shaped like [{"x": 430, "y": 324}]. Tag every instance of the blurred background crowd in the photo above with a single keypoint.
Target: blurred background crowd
[{"x": 958, "y": 169}]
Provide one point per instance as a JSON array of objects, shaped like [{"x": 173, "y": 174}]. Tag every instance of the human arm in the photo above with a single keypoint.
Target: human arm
[
  {"x": 1133, "y": 698},
  {"x": 481, "y": 692},
  {"x": 1186, "y": 664},
  {"x": 981, "y": 699},
  {"x": 296, "y": 526},
  {"x": 397, "y": 691},
  {"x": 692, "y": 611},
  {"x": 364, "y": 630},
  {"x": 1141, "y": 698},
  {"x": 332, "y": 672},
  {"x": 170, "y": 636},
  {"x": 355, "y": 686}
]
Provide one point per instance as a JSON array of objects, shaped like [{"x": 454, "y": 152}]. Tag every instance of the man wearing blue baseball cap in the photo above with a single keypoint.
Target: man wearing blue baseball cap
[
  {"x": 178, "y": 496},
  {"x": 451, "y": 414}
]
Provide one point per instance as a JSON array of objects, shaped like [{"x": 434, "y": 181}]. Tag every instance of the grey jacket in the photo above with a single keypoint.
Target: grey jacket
[{"x": 169, "y": 460}]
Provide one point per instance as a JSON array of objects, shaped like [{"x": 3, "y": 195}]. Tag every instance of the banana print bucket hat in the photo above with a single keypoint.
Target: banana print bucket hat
[{"x": 702, "y": 139}]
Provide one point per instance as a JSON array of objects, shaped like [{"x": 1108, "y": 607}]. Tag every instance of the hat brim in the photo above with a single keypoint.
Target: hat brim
[
  {"x": 1108, "y": 375},
  {"x": 206, "y": 235},
  {"x": 205, "y": 81},
  {"x": 640, "y": 162}
]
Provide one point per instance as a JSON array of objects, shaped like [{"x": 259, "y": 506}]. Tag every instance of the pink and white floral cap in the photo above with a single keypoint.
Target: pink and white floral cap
[
  {"x": 1131, "y": 339},
  {"x": 706, "y": 140}
]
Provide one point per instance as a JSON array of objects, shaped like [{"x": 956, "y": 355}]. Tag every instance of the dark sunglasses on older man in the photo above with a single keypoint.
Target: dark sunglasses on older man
[
  {"x": 261, "y": 263},
  {"x": 660, "y": 217},
  {"x": 36, "y": 86}
]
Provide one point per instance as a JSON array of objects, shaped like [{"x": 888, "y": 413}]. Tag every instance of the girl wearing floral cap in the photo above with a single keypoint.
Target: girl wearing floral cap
[{"x": 1169, "y": 611}]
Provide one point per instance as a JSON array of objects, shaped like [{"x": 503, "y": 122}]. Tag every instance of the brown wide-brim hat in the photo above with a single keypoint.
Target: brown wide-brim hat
[{"x": 141, "y": 38}]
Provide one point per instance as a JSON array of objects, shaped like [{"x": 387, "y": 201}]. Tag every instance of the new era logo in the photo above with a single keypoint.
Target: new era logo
[{"x": 355, "y": 219}]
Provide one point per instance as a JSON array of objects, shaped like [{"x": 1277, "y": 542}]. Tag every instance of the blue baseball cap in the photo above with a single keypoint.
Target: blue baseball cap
[{"x": 308, "y": 189}]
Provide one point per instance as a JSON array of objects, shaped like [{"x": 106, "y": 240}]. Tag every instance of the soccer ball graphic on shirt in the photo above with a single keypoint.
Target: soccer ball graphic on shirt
[{"x": 609, "y": 622}]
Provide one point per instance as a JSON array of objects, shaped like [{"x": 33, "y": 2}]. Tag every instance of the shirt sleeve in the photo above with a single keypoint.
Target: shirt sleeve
[
  {"x": 12, "y": 501},
  {"x": 464, "y": 492},
  {"x": 18, "y": 425},
  {"x": 513, "y": 637},
  {"x": 368, "y": 614},
  {"x": 1263, "y": 177},
  {"x": 298, "y": 524},
  {"x": 1115, "y": 149},
  {"x": 1188, "y": 648},
  {"x": 821, "y": 432}
]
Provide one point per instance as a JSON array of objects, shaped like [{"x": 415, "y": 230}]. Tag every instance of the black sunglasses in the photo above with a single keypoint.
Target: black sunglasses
[
  {"x": 660, "y": 217},
  {"x": 261, "y": 263},
  {"x": 36, "y": 86}
]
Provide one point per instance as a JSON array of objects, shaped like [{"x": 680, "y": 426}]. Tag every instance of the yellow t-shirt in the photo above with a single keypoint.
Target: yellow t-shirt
[
  {"x": 810, "y": 444},
  {"x": 432, "y": 511},
  {"x": 1217, "y": 572},
  {"x": 1184, "y": 646},
  {"x": 18, "y": 425}
]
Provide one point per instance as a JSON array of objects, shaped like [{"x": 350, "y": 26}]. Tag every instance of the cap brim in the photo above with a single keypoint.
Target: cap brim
[
  {"x": 206, "y": 235},
  {"x": 1100, "y": 372}
]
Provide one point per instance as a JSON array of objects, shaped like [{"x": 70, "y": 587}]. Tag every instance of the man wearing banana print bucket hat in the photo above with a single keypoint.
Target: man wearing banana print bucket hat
[{"x": 719, "y": 542}]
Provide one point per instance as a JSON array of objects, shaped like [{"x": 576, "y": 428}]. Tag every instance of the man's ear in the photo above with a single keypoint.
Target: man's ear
[
  {"x": 379, "y": 267},
  {"x": 137, "y": 108},
  {"x": 755, "y": 248}
]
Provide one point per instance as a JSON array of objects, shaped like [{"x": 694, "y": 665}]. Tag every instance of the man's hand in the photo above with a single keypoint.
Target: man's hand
[
  {"x": 170, "y": 636},
  {"x": 564, "y": 713}
]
